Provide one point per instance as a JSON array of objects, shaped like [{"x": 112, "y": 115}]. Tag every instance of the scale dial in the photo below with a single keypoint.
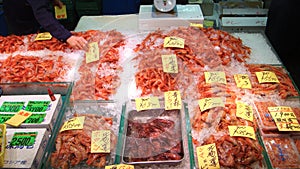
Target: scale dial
[{"x": 164, "y": 5}]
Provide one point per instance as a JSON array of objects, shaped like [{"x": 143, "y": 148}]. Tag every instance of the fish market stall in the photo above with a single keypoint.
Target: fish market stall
[{"x": 174, "y": 97}]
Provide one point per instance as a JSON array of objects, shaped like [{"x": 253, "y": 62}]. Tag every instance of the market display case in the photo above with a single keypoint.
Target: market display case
[
  {"x": 215, "y": 67},
  {"x": 282, "y": 152},
  {"x": 76, "y": 144},
  {"x": 154, "y": 138}
]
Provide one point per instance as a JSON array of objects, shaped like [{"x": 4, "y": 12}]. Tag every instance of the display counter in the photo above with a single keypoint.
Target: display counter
[
  {"x": 128, "y": 24},
  {"x": 221, "y": 84},
  {"x": 122, "y": 23}
]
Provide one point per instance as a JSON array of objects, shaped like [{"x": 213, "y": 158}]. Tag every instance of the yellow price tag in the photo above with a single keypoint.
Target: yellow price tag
[
  {"x": 43, "y": 36},
  {"x": 93, "y": 53},
  {"x": 100, "y": 141},
  {"x": 60, "y": 13},
  {"x": 242, "y": 81},
  {"x": 174, "y": 42},
  {"x": 73, "y": 124},
  {"x": 120, "y": 166},
  {"x": 285, "y": 121},
  {"x": 18, "y": 118},
  {"x": 242, "y": 131},
  {"x": 169, "y": 63},
  {"x": 198, "y": 25},
  {"x": 215, "y": 77},
  {"x": 244, "y": 111},
  {"x": 147, "y": 103},
  {"x": 208, "y": 103},
  {"x": 280, "y": 108},
  {"x": 208, "y": 156},
  {"x": 266, "y": 77},
  {"x": 172, "y": 100}
]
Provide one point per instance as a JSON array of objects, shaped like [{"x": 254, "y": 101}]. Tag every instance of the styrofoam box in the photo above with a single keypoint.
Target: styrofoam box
[
  {"x": 25, "y": 156},
  {"x": 186, "y": 14},
  {"x": 51, "y": 113}
]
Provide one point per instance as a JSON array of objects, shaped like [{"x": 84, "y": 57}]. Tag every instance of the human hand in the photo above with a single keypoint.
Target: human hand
[{"x": 77, "y": 42}]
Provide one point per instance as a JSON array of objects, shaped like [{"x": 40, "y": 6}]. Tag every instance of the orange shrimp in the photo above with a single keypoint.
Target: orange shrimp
[{"x": 285, "y": 88}]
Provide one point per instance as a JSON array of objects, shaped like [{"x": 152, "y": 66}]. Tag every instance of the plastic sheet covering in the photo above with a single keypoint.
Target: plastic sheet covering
[
  {"x": 163, "y": 134},
  {"x": 196, "y": 56},
  {"x": 99, "y": 80},
  {"x": 72, "y": 148},
  {"x": 282, "y": 152}
]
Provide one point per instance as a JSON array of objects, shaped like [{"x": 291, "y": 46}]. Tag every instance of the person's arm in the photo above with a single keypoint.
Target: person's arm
[{"x": 46, "y": 19}]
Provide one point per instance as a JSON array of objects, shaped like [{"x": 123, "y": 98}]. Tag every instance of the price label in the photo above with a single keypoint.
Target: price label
[
  {"x": 172, "y": 100},
  {"x": 5, "y": 117},
  {"x": 208, "y": 156},
  {"x": 120, "y": 166},
  {"x": 209, "y": 103},
  {"x": 23, "y": 139},
  {"x": 35, "y": 118},
  {"x": 174, "y": 42},
  {"x": 37, "y": 106},
  {"x": 208, "y": 24},
  {"x": 242, "y": 131},
  {"x": 266, "y": 77},
  {"x": 244, "y": 111},
  {"x": 93, "y": 53},
  {"x": 215, "y": 77},
  {"x": 147, "y": 103},
  {"x": 43, "y": 36},
  {"x": 73, "y": 124},
  {"x": 242, "y": 81},
  {"x": 60, "y": 13},
  {"x": 280, "y": 109},
  {"x": 198, "y": 25},
  {"x": 170, "y": 63},
  {"x": 285, "y": 120},
  {"x": 11, "y": 106},
  {"x": 18, "y": 118},
  {"x": 100, "y": 141}
]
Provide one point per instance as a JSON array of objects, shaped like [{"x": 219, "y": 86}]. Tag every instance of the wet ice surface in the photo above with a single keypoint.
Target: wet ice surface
[{"x": 261, "y": 50}]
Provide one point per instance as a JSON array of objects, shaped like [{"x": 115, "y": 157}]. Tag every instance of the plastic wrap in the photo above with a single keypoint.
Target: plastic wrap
[
  {"x": 211, "y": 126},
  {"x": 282, "y": 152},
  {"x": 285, "y": 88},
  {"x": 100, "y": 79},
  {"x": 154, "y": 138},
  {"x": 158, "y": 132},
  {"x": 75, "y": 145}
]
